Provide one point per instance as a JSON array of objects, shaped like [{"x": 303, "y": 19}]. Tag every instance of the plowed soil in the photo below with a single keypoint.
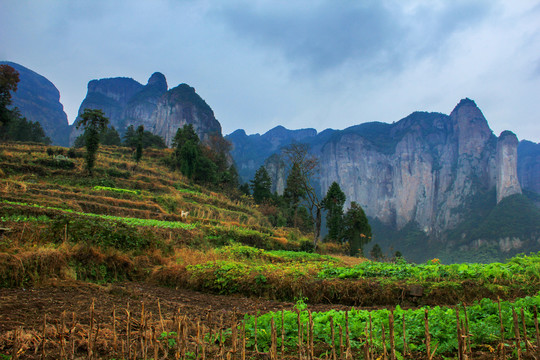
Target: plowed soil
[{"x": 27, "y": 307}]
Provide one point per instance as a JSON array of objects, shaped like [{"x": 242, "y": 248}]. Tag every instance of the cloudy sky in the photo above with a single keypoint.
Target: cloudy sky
[{"x": 297, "y": 63}]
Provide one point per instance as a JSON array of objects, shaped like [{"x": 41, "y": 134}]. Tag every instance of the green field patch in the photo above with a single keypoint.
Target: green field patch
[
  {"x": 364, "y": 325},
  {"x": 127, "y": 220},
  {"x": 520, "y": 268},
  {"x": 118, "y": 190}
]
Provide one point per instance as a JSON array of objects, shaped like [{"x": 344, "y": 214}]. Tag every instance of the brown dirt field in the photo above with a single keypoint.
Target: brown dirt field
[{"x": 27, "y": 307}]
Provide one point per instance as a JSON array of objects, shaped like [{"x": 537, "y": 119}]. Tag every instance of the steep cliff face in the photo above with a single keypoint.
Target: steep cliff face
[
  {"x": 143, "y": 104},
  {"x": 126, "y": 102},
  {"x": 181, "y": 106},
  {"x": 39, "y": 100},
  {"x": 529, "y": 166},
  {"x": 507, "y": 179},
  {"x": 110, "y": 95},
  {"x": 430, "y": 166},
  {"x": 430, "y": 177}
]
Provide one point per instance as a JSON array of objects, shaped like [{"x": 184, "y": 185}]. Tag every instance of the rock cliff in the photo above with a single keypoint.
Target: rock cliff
[
  {"x": 251, "y": 151},
  {"x": 428, "y": 167},
  {"x": 529, "y": 166},
  {"x": 181, "y": 106},
  {"x": 39, "y": 100},
  {"x": 142, "y": 105},
  {"x": 426, "y": 174},
  {"x": 110, "y": 95},
  {"x": 507, "y": 179},
  {"x": 126, "y": 102}
]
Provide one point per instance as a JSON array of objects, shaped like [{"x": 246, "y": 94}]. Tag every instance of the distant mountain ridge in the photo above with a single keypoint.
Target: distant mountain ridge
[{"x": 421, "y": 173}]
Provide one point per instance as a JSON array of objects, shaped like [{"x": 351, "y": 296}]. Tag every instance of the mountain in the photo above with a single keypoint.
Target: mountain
[
  {"x": 251, "y": 151},
  {"x": 529, "y": 166},
  {"x": 39, "y": 100},
  {"x": 127, "y": 102},
  {"x": 422, "y": 177}
]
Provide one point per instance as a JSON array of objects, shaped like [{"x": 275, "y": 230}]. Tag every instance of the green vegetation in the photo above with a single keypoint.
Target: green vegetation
[
  {"x": 333, "y": 204},
  {"x": 94, "y": 123},
  {"x": 517, "y": 269},
  {"x": 143, "y": 223},
  {"x": 13, "y": 126},
  {"x": 366, "y": 326}
]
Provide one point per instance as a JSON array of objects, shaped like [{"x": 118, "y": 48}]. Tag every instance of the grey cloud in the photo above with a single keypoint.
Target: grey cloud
[{"x": 373, "y": 34}]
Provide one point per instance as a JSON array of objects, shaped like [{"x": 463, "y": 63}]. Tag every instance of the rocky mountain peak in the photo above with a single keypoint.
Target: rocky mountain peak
[
  {"x": 119, "y": 89},
  {"x": 158, "y": 80},
  {"x": 470, "y": 127}
]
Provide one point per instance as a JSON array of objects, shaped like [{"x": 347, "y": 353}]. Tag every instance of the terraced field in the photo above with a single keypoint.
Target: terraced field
[{"x": 110, "y": 267}]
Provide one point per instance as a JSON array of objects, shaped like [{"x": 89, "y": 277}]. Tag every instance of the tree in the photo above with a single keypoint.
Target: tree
[
  {"x": 94, "y": 123},
  {"x": 110, "y": 136},
  {"x": 130, "y": 138},
  {"x": 139, "y": 145},
  {"x": 9, "y": 78},
  {"x": 245, "y": 189},
  {"x": 186, "y": 150},
  {"x": 376, "y": 252},
  {"x": 294, "y": 191},
  {"x": 333, "y": 203},
  {"x": 149, "y": 140},
  {"x": 229, "y": 179},
  {"x": 307, "y": 164},
  {"x": 357, "y": 231},
  {"x": 261, "y": 186}
]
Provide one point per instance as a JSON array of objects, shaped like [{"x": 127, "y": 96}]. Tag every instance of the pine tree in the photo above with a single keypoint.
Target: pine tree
[
  {"x": 357, "y": 231},
  {"x": 294, "y": 191},
  {"x": 139, "y": 146},
  {"x": 187, "y": 152},
  {"x": 261, "y": 186},
  {"x": 333, "y": 203},
  {"x": 93, "y": 122},
  {"x": 110, "y": 136}
]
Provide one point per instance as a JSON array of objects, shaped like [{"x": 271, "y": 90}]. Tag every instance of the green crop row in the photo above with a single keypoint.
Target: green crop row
[
  {"x": 24, "y": 218},
  {"x": 125, "y": 191},
  {"x": 518, "y": 268},
  {"x": 483, "y": 321},
  {"x": 126, "y": 220},
  {"x": 237, "y": 251}
]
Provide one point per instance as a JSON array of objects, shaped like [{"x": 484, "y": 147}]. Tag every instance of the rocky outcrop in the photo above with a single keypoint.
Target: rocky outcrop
[
  {"x": 507, "y": 179},
  {"x": 422, "y": 169},
  {"x": 39, "y": 100},
  {"x": 143, "y": 104},
  {"x": 434, "y": 165},
  {"x": 181, "y": 106},
  {"x": 111, "y": 96},
  {"x": 126, "y": 102}
]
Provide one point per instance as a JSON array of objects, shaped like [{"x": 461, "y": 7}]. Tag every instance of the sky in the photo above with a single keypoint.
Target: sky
[{"x": 297, "y": 63}]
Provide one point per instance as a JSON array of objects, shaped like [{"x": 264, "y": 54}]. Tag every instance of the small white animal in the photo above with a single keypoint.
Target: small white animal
[{"x": 184, "y": 214}]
